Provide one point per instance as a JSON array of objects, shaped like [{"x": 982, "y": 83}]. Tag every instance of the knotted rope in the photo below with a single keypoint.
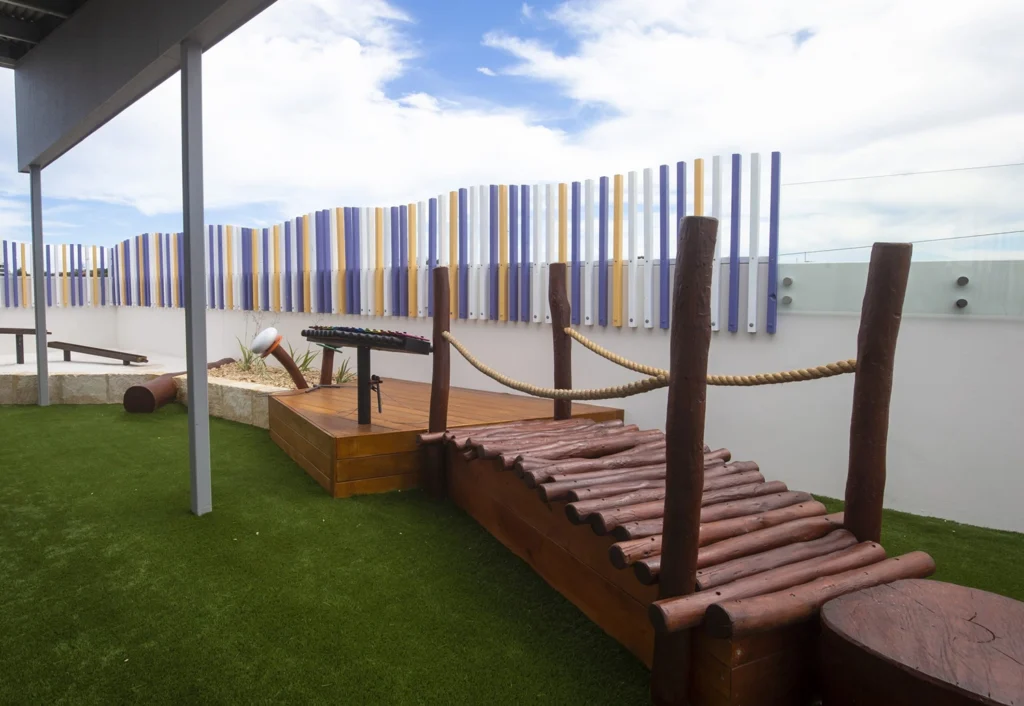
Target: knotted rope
[{"x": 828, "y": 370}]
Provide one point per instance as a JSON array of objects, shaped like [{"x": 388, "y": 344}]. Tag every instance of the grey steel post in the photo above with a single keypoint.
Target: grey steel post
[
  {"x": 195, "y": 275},
  {"x": 39, "y": 284}
]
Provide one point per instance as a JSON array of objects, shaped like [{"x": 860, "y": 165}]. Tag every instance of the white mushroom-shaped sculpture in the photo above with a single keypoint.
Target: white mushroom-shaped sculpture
[{"x": 268, "y": 342}]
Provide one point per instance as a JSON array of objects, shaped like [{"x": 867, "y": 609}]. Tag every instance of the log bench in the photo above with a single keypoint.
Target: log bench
[
  {"x": 922, "y": 642},
  {"x": 69, "y": 348},
  {"x": 19, "y": 341}
]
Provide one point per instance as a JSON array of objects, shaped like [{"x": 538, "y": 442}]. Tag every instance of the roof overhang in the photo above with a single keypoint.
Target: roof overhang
[{"x": 102, "y": 58}]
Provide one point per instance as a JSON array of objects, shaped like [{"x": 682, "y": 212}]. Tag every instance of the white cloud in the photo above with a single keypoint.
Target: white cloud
[
  {"x": 486, "y": 71},
  {"x": 298, "y": 113}
]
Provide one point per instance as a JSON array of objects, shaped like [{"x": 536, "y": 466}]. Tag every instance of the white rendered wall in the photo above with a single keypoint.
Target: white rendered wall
[{"x": 87, "y": 325}]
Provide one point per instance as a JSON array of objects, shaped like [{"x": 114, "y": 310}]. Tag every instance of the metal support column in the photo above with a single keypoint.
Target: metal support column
[
  {"x": 195, "y": 275},
  {"x": 39, "y": 285}
]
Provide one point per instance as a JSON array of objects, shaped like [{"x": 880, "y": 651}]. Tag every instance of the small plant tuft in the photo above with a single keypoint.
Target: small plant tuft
[
  {"x": 344, "y": 374},
  {"x": 248, "y": 359},
  {"x": 304, "y": 361}
]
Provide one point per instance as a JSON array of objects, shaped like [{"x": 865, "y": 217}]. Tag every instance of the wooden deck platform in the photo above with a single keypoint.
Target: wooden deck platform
[{"x": 318, "y": 429}]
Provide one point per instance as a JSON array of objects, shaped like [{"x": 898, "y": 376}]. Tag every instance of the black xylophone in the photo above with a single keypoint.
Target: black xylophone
[{"x": 364, "y": 340}]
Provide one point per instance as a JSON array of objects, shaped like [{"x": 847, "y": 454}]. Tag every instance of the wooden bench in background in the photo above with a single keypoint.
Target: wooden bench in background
[
  {"x": 69, "y": 348},
  {"x": 19, "y": 340}
]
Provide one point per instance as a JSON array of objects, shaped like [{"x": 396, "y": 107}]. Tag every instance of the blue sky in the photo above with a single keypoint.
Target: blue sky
[{"x": 319, "y": 103}]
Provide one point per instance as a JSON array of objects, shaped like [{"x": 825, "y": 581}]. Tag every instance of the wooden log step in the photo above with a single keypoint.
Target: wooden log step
[
  {"x": 648, "y": 569},
  {"x": 623, "y": 554},
  {"x": 595, "y": 446},
  {"x": 754, "y": 507},
  {"x": 491, "y": 447},
  {"x": 581, "y": 465},
  {"x": 461, "y": 435},
  {"x": 684, "y": 612},
  {"x": 736, "y": 569},
  {"x": 558, "y": 486},
  {"x": 714, "y": 470},
  {"x": 739, "y": 492},
  {"x": 710, "y": 532},
  {"x": 741, "y": 617},
  {"x": 539, "y": 470}
]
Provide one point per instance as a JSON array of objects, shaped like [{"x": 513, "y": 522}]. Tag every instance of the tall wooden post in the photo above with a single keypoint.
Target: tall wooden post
[
  {"x": 684, "y": 452},
  {"x": 872, "y": 388},
  {"x": 440, "y": 382},
  {"x": 558, "y": 299},
  {"x": 327, "y": 367}
]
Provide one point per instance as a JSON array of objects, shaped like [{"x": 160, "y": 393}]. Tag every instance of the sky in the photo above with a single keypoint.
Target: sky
[{"x": 318, "y": 103}]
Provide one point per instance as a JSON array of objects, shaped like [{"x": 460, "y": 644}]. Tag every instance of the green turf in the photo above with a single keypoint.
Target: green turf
[{"x": 112, "y": 592}]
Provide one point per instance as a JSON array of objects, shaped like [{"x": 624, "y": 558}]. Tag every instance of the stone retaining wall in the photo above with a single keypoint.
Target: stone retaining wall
[{"x": 244, "y": 402}]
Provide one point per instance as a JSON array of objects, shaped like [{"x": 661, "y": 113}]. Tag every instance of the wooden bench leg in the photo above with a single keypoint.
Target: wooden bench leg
[
  {"x": 127, "y": 362},
  {"x": 19, "y": 348},
  {"x": 67, "y": 356}
]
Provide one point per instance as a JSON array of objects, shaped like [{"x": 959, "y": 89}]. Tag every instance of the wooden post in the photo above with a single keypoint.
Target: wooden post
[
  {"x": 326, "y": 366},
  {"x": 440, "y": 382},
  {"x": 684, "y": 451},
  {"x": 872, "y": 388},
  {"x": 558, "y": 299}
]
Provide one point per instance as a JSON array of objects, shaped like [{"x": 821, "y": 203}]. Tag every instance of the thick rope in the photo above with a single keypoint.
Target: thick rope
[
  {"x": 828, "y": 370},
  {"x": 603, "y": 393}
]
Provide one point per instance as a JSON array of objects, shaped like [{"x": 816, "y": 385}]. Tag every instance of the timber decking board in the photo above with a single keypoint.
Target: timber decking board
[{"x": 319, "y": 430}]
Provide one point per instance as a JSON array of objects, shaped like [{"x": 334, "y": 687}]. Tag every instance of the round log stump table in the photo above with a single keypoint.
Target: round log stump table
[{"x": 918, "y": 642}]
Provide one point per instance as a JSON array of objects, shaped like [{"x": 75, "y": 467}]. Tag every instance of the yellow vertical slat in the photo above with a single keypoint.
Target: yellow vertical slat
[
  {"x": 275, "y": 286},
  {"x": 563, "y": 222},
  {"x": 698, "y": 187},
  {"x": 413, "y": 268},
  {"x": 617, "y": 253}
]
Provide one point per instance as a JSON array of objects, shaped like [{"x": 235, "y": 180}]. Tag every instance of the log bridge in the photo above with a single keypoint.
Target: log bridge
[{"x": 708, "y": 572}]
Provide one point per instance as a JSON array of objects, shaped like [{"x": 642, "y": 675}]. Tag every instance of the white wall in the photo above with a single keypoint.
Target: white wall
[
  {"x": 89, "y": 326},
  {"x": 956, "y": 408}
]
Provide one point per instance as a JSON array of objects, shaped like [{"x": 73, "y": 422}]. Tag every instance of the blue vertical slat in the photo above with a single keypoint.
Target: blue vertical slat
[
  {"x": 773, "y": 244},
  {"x": 577, "y": 286},
  {"x": 7, "y": 274},
  {"x": 211, "y": 296},
  {"x": 221, "y": 271},
  {"x": 602, "y": 253},
  {"x": 734, "y": 246},
  {"x": 287, "y": 266},
  {"x": 357, "y": 290},
  {"x": 265, "y": 274},
  {"x": 350, "y": 300}
]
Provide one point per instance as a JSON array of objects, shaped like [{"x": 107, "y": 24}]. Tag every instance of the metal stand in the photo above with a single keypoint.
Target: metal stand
[{"x": 363, "y": 383}]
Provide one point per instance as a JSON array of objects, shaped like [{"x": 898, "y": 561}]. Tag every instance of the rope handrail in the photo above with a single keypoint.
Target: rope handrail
[
  {"x": 840, "y": 367},
  {"x": 602, "y": 393}
]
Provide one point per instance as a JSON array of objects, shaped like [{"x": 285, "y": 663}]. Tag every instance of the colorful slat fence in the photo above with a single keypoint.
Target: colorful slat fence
[{"x": 616, "y": 232}]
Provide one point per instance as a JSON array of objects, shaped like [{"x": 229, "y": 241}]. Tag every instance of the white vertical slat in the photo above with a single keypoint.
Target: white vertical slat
[
  {"x": 588, "y": 252},
  {"x": 551, "y": 235},
  {"x": 632, "y": 291},
  {"x": 423, "y": 281},
  {"x": 473, "y": 233},
  {"x": 752, "y": 261},
  {"x": 716, "y": 263},
  {"x": 367, "y": 255},
  {"x": 537, "y": 255},
  {"x": 648, "y": 279}
]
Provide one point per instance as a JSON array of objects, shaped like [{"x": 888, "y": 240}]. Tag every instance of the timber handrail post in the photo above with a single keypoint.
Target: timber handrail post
[
  {"x": 684, "y": 451},
  {"x": 872, "y": 387},
  {"x": 326, "y": 366},
  {"x": 440, "y": 384},
  {"x": 558, "y": 300}
]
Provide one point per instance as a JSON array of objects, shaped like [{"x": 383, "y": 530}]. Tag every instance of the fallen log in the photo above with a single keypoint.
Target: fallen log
[
  {"x": 711, "y": 530},
  {"x": 740, "y": 568},
  {"x": 751, "y": 546},
  {"x": 685, "y": 612},
  {"x": 737, "y": 618},
  {"x": 626, "y": 553},
  {"x": 154, "y": 394}
]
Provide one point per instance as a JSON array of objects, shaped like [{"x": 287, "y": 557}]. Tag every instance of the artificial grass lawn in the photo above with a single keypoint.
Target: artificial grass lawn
[{"x": 112, "y": 592}]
